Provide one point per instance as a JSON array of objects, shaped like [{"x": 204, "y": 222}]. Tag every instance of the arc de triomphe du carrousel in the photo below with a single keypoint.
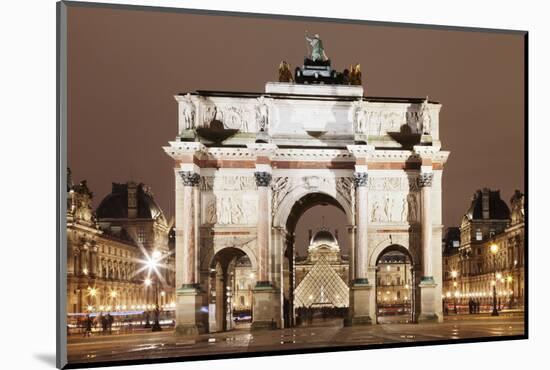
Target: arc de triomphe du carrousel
[{"x": 248, "y": 165}]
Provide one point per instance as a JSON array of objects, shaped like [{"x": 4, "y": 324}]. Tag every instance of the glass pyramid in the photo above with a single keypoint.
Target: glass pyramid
[{"x": 321, "y": 287}]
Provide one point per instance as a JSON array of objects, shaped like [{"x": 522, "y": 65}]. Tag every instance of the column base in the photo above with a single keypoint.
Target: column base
[
  {"x": 266, "y": 307},
  {"x": 191, "y": 311},
  {"x": 428, "y": 307},
  {"x": 360, "y": 303}
]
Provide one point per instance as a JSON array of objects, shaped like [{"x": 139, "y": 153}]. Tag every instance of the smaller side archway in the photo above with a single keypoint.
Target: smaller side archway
[
  {"x": 396, "y": 284},
  {"x": 231, "y": 278}
]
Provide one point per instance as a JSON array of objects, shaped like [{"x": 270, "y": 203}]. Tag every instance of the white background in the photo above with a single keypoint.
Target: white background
[{"x": 27, "y": 207}]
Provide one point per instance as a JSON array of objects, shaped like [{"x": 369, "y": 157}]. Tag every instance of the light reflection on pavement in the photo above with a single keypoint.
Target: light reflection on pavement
[{"x": 164, "y": 344}]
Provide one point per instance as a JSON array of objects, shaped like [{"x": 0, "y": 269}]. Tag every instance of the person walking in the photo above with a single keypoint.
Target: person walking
[
  {"x": 88, "y": 328},
  {"x": 103, "y": 325},
  {"x": 110, "y": 320}
]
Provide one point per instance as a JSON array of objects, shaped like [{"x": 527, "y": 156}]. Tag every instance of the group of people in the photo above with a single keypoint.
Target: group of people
[
  {"x": 106, "y": 322},
  {"x": 473, "y": 306},
  {"x": 306, "y": 315}
]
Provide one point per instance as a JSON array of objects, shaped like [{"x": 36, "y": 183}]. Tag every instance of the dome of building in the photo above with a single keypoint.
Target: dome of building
[
  {"x": 323, "y": 237},
  {"x": 487, "y": 204},
  {"x": 142, "y": 204}
]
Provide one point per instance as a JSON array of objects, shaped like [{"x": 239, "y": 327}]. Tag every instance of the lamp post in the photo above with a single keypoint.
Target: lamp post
[
  {"x": 454, "y": 274},
  {"x": 509, "y": 280},
  {"x": 152, "y": 263},
  {"x": 494, "y": 250},
  {"x": 147, "y": 283}
]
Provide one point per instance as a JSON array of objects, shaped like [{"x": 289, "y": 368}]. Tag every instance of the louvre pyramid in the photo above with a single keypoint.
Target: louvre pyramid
[{"x": 321, "y": 286}]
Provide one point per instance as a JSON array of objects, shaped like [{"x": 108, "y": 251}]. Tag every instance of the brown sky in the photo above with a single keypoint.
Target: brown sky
[{"x": 124, "y": 66}]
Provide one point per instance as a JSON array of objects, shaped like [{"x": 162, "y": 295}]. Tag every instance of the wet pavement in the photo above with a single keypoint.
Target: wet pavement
[{"x": 164, "y": 344}]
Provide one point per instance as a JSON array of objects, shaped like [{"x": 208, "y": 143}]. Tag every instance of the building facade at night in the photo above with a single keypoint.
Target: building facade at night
[
  {"x": 108, "y": 251},
  {"x": 248, "y": 165},
  {"x": 471, "y": 269}
]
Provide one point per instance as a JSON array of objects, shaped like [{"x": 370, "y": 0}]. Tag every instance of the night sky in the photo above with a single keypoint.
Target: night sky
[{"x": 124, "y": 66}]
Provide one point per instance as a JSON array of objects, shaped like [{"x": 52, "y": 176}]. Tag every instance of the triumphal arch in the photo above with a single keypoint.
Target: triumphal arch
[{"x": 248, "y": 165}]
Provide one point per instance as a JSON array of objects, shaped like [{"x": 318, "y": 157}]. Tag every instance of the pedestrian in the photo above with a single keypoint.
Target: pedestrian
[
  {"x": 88, "y": 326},
  {"x": 110, "y": 320},
  {"x": 470, "y": 306},
  {"x": 104, "y": 324}
]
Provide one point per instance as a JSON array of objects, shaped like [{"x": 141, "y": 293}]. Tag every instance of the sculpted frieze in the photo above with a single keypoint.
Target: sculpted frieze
[
  {"x": 230, "y": 209},
  {"x": 227, "y": 183},
  {"x": 393, "y": 207}
]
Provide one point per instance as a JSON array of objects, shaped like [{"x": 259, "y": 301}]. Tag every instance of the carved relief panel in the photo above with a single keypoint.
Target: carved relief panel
[
  {"x": 393, "y": 200},
  {"x": 229, "y": 200}
]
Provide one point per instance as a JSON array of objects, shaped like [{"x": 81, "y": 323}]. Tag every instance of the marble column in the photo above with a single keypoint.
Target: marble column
[
  {"x": 425, "y": 183},
  {"x": 428, "y": 293},
  {"x": 361, "y": 217},
  {"x": 266, "y": 307},
  {"x": 262, "y": 181},
  {"x": 361, "y": 290},
  {"x": 190, "y": 299},
  {"x": 190, "y": 180}
]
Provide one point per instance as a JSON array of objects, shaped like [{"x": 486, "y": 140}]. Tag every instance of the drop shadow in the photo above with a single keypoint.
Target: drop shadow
[{"x": 46, "y": 358}]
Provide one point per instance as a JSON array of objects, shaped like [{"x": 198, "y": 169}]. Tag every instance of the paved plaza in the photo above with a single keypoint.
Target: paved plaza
[{"x": 147, "y": 345}]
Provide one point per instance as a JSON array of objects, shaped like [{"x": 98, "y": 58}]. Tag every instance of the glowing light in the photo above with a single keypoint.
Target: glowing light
[
  {"x": 147, "y": 281},
  {"x": 90, "y": 308},
  {"x": 499, "y": 276},
  {"x": 163, "y": 293},
  {"x": 493, "y": 248},
  {"x": 448, "y": 294},
  {"x": 113, "y": 294},
  {"x": 509, "y": 278},
  {"x": 454, "y": 274},
  {"x": 85, "y": 271},
  {"x": 93, "y": 291}
]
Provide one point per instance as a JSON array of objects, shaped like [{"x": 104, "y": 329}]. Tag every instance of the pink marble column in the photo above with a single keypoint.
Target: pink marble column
[
  {"x": 262, "y": 181},
  {"x": 425, "y": 182},
  {"x": 361, "y": 217},
  {"x": 187, "y": 247}
]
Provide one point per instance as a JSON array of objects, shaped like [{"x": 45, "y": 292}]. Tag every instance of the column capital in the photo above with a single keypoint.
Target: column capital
[
  {"x": 263, "y": 178},
  {"x": 425, "y": 179},
  {"x": 360, "y": 179},
  {"x": 189, "y": 178}
]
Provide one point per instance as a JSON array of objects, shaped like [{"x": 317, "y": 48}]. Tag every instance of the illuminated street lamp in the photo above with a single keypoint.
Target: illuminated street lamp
[
  {"x": 494, "y": 250},
  {"x": 147, "y": 282},
  {"x": 454, "y": 274}
]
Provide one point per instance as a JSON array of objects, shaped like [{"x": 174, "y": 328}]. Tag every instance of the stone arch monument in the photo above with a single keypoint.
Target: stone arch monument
[{"x": 240, "y": 170}]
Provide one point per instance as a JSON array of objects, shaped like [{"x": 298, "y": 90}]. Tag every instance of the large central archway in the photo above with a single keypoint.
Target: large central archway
[{"x": 296, "y": 313}]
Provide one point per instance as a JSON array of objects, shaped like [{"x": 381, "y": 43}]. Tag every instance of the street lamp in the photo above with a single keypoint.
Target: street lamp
[
  {"x": 494, "y": 250},
  {"x": 509, "y": 279},
  {"x": 147, "y": 282},
  {"x": 454, "y": 274},
  {"x": 151, "y": 264}
]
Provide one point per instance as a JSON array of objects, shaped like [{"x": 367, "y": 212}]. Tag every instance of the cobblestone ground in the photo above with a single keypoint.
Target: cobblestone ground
[{"x": 147, "y": 345}]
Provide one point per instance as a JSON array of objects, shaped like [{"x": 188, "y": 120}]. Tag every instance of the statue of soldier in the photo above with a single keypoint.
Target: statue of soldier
[{"x": 317, "y": 49}]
